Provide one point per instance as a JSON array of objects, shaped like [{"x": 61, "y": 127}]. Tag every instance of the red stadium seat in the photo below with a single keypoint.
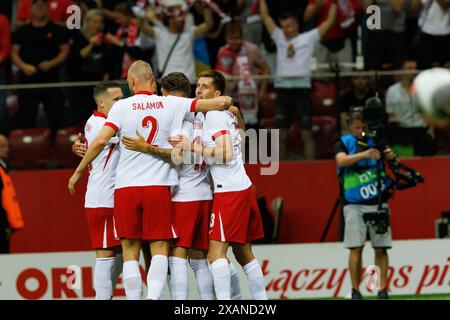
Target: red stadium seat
[
  {"x": 268, "y": 105},
  {"x": 63, "y": 147},
  {"x": 443, "y": 140},
  {"x": 324, "y": 130},
  {"x": 324, "y": 133},
  {"x": 12, "y": 114},
  {"x": 30, "y": 148},
  {"x": 268, "y": 123},
  {"x": 295, "y": 141},
  {"x": 323, "y": 98}
]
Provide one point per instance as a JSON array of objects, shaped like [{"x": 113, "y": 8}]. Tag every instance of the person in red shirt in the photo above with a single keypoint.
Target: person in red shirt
[
  {"x": 335, "y": 46},
  {"x": 242, "y": 58},
  {"x": 56, "y": 11},
  {"x": 5, "y": 49},
  {"x": 126, "y": 38}
]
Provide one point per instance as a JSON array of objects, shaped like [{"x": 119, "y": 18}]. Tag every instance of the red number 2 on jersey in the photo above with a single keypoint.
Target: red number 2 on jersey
[{"x": 153, "y": 130}]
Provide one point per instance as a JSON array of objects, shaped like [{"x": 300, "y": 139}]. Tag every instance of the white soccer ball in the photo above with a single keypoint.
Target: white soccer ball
[{"x": 431, "y": 90}]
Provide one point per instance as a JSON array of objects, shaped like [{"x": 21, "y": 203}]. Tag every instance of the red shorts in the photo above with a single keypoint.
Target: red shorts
[
  {"x": 235, "y": 217},
  {"x": 102, "y": 229},
  {"x": 144, "y": 213},
  {"x": 192, "y": 222}
]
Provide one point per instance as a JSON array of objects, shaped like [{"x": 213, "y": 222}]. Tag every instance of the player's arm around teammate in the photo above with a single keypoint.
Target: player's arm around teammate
[
  {"x": 140, "y": 145},
  {"x": 79, "y": 146},
  {"x": 92, "y": 152}
]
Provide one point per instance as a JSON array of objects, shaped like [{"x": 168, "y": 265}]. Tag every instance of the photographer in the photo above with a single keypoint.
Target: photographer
[{"x": 358, "y": 161}]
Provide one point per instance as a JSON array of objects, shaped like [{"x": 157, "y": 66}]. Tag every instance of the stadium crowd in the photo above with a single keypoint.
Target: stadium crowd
[{"x": 238, "y": 38}]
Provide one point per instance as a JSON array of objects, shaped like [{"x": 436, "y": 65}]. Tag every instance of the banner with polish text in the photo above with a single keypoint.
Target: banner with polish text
[{"x": 292, "y": 271}]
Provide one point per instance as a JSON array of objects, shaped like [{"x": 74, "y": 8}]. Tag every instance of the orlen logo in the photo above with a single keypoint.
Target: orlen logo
[{"x": 74, "y": 282}]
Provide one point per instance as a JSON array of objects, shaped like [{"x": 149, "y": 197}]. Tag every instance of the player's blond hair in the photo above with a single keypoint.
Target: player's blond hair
[{"x": 141, "y": 71}]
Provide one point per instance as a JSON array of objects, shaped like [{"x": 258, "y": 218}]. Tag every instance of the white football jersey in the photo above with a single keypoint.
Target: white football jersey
[
  {"x": 193, "y": 172},
  {"x": 102, "y": 171},
  {"x": 228, "y": 176},
  {"x": 156, "y": 118}
]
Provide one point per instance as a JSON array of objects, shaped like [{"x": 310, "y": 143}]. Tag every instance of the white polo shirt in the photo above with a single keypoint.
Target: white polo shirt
[
  {"x": 294, "y": 58},
  {"x": 182, "y": 58},
  {"x": 436, "y": 21}
]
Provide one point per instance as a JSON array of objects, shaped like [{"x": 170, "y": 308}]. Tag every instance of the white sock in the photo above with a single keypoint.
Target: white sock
[
  {"x": 117, "y": 269},
  {"x": 156, "y": 278},
  {"x": 222, "y": 279},
  {"x": 179, "y": 280},
  {"x": 132, "y": 280},
  {"x": 163, "y": 292},
  {"x": 205, "y": 282},
  {"x": 255, "y": 280},
  {"x": 236, "y": 293},
  {"x": 102, "y": 278}
]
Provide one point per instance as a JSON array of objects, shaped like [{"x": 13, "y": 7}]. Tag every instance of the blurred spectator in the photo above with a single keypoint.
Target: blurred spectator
[
  {"x": 242, "y": 58},
  {"x": 387, "y": 47},
  {"x": 6, "y": 7},
  {"x": 251, "y": 21},
  {"x": 126, "y": 38},
  {"x": 10, "y": 214},
  {"x": 56, "y": 11},
  {"x": 433, "y": 42},
  {"x": 38, "y": 49},
  {"x": 86, "y": 5},
  {"x": 173, "y": 41},
  {"x": 336, "y": 44},
  {"x": 5, "y": 49},
  {"x": 89, "y": 62},
  {"x": 294, "y": 52},
  {"x": 107, "y": 7},
  {"x": 277, "y": 8},
  {"x": 215, "y": 38},
  {"x": 357, "y": 96},
  {"x": 407, "y": 127}
]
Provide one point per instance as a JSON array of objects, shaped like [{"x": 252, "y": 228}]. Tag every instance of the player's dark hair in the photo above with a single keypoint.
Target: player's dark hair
[
  {"x": 219, "y": 81},
  {"x": 103, "y": 86},
  {"x": 176, "y": 81}
]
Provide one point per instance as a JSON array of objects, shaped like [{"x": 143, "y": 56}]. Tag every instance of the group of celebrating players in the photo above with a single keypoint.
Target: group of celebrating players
[{"x": 149, "y": 159}]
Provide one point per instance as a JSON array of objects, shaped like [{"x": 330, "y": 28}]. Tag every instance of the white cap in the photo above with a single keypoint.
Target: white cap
[{"x": 172, "y": 3}]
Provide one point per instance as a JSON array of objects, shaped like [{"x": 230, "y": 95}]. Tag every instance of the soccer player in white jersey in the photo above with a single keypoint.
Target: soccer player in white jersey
[
  {"x": 206, "y": 89},
  {"x": 235, "y": 218},
  {"x": 99, "y": 199},
  {"x": 192, "y": 209},
  {"x": 142, "y": 206},
  {"x": 191, "y": 202}
]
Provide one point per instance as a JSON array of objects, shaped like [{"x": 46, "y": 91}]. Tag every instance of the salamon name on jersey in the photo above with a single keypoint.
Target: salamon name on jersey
[{"x": 147, "y": 105}]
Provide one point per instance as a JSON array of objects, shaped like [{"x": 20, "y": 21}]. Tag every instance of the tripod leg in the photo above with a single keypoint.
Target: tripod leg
[{"x": 330, "y": 220}]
